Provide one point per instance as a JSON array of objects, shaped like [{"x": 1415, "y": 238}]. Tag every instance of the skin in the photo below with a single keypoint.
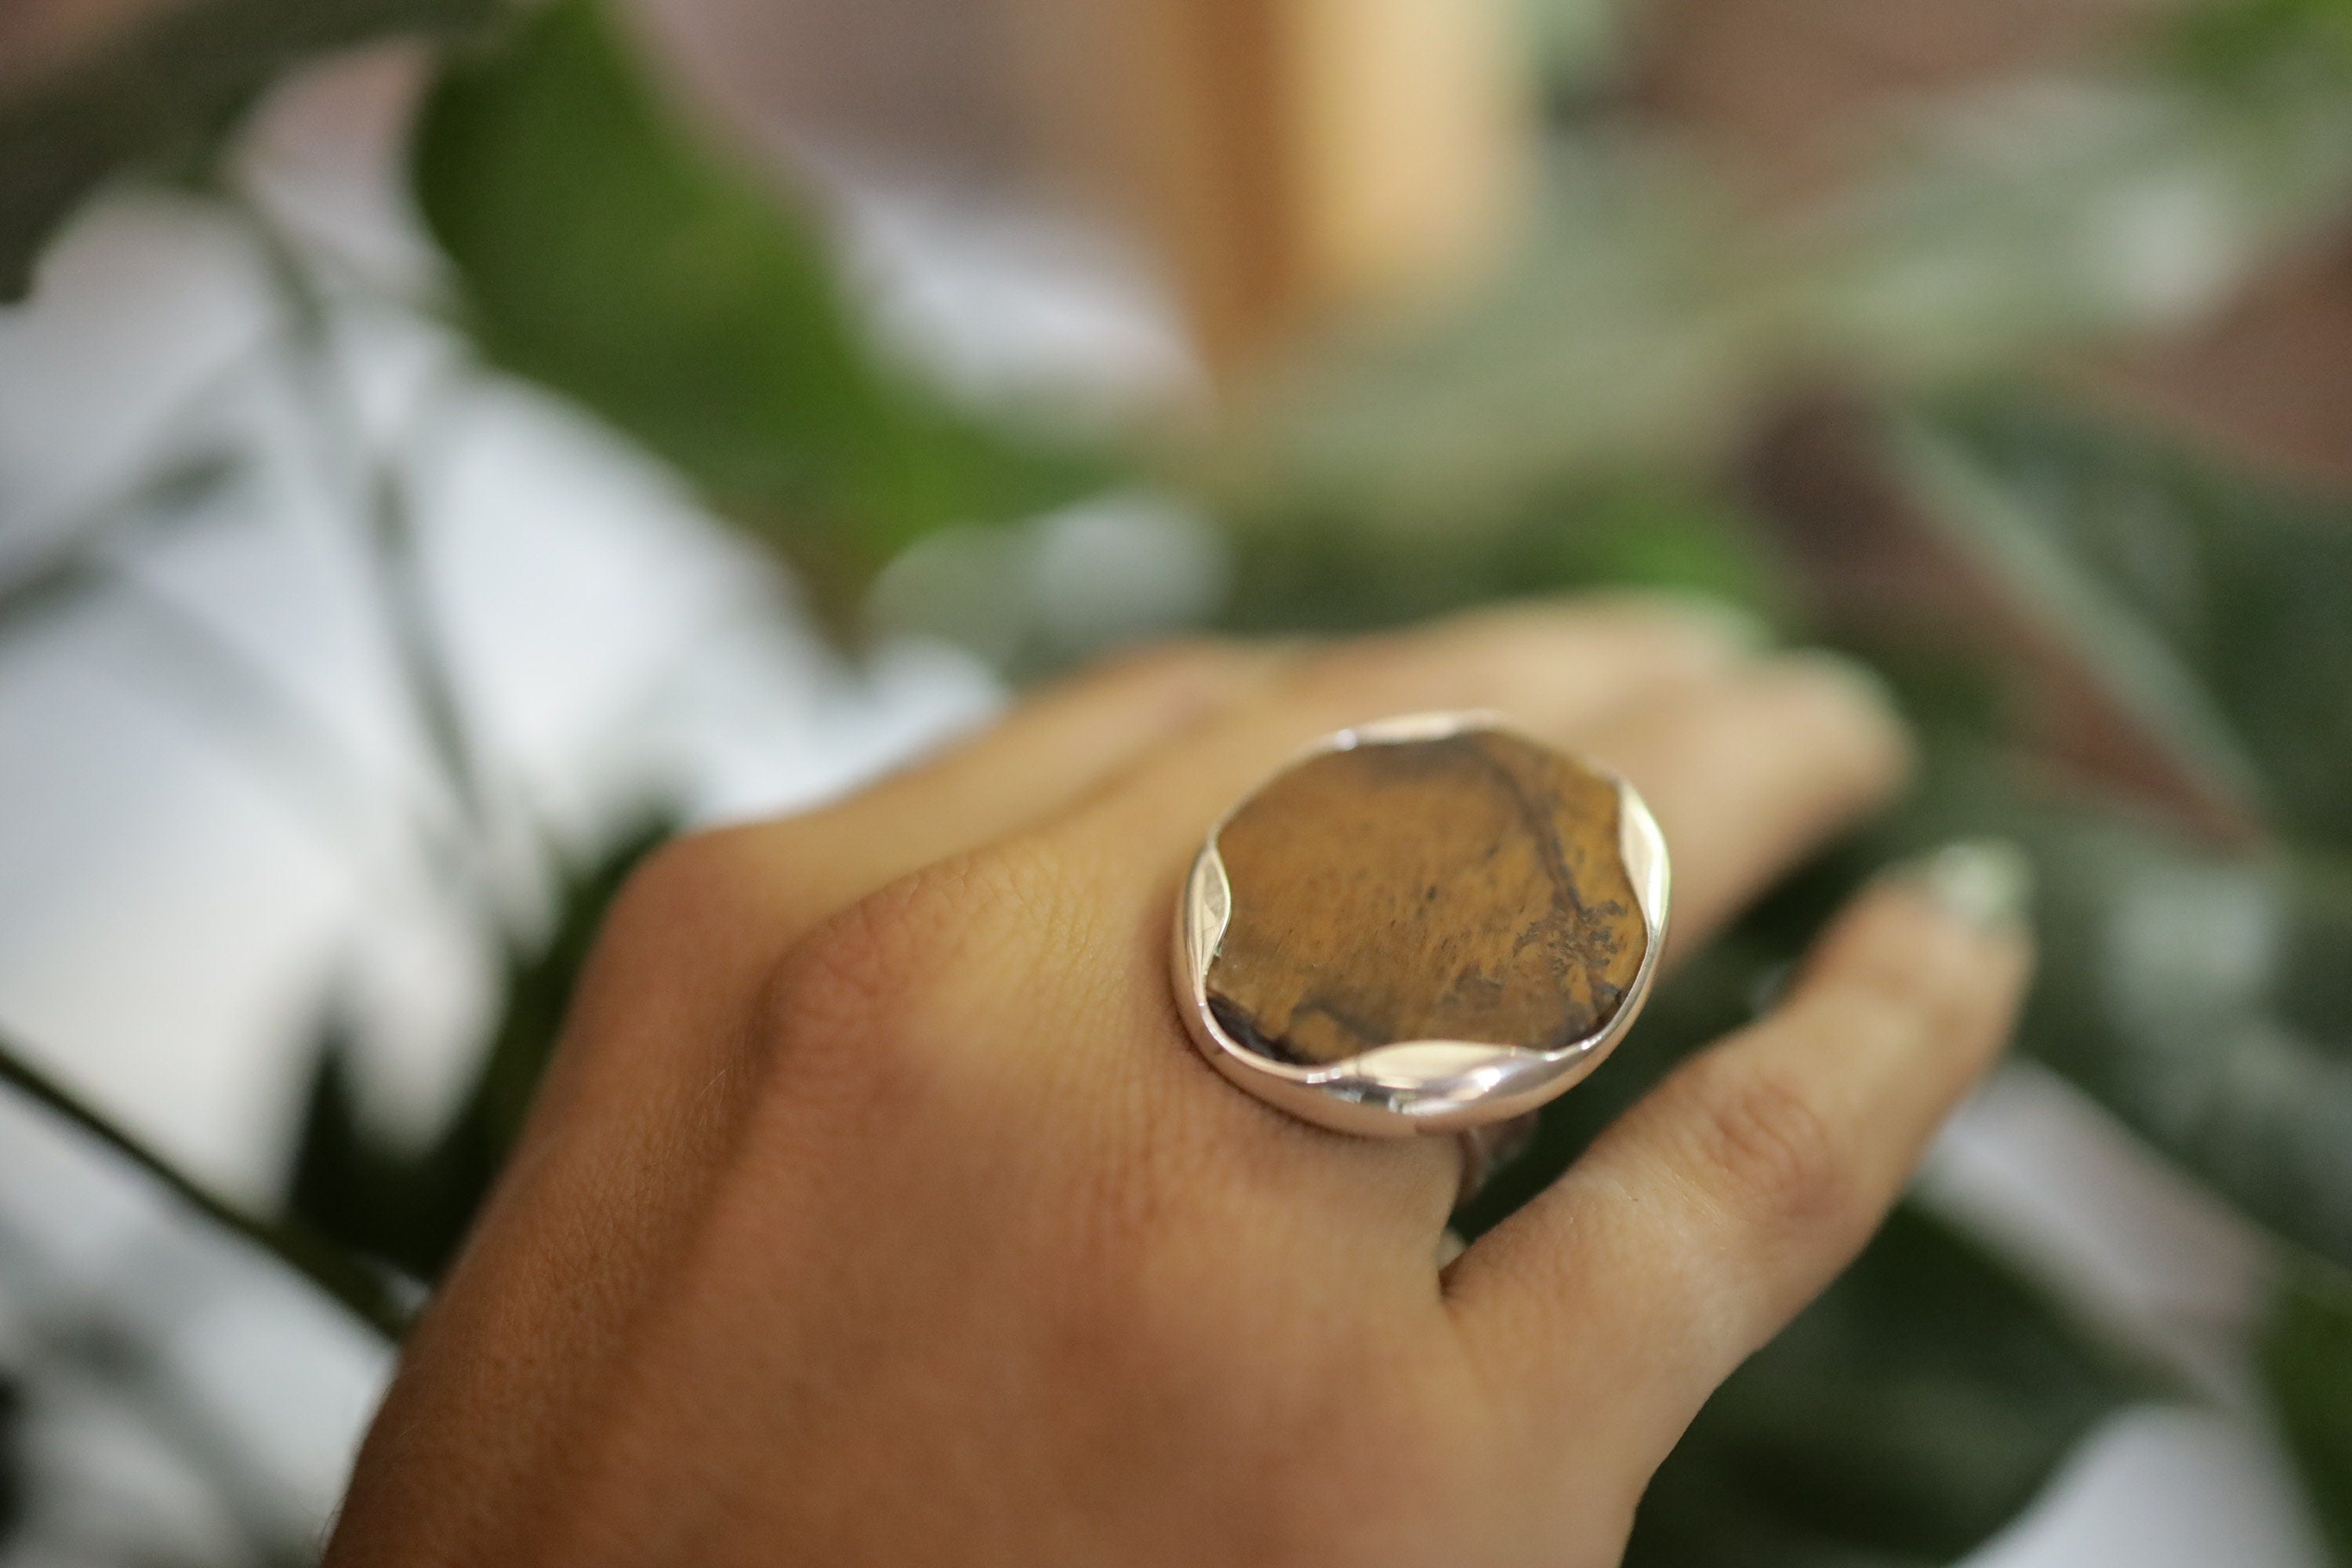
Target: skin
[{"x": 878, "y": 1209}]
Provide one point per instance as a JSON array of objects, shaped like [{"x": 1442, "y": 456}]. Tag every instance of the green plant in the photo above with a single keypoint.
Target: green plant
[
  {"x": 1578, "y": 424},
  {"x": 560, "y": 187}
]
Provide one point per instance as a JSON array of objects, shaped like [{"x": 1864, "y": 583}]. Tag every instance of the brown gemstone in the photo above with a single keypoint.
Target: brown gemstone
[{"x": 1464, "y": 889}]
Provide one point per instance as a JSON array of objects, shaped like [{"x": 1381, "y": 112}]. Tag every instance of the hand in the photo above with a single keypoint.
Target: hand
[{"x": 879, "y": 1210}]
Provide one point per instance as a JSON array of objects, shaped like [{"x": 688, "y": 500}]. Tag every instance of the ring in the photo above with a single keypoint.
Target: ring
[{"x": 1429, "y": 924}]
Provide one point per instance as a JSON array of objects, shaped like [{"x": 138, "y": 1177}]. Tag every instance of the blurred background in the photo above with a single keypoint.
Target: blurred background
[{"x": 446, "y": 446}]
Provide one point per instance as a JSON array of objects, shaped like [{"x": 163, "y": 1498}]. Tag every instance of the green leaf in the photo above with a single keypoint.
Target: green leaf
[
  {"x": 2306, "y": 1359},
  {"x": 2258, "y": 47},
  {"x": 2203, "y": 998},
  {"x": 164, "y": 94},
  {"x": 337, "y": 1274},
  {"x": 14, "y": 1466},
  {"x": 1326, "y": 570},
  {"x": 412, "y": 1208},
  {"x": 179, "y": 493},
  {"x": 2242, "y": 578},
  {"x": 604, "y": 250},
  {"x": 2088, "y": 676},
  {"x": 2198, "y": 992}
]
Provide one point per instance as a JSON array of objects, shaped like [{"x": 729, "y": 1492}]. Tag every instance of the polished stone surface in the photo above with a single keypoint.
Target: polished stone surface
[{"x": 1469, "y": 889}]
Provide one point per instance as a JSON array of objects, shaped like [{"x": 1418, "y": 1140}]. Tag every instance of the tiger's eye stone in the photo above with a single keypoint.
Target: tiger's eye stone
[{"x": 1470, "y": 887}]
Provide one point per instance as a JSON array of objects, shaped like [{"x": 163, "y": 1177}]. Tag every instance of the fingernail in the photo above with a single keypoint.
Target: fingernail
[
  {"x": 1843, "y": 669},
  {"x": 1735, "y": 627},
  {"x": 1987, "y": 883}
]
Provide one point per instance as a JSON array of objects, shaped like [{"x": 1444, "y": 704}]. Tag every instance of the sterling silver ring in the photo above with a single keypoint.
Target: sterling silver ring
[{"x": 1429, "y": 924}]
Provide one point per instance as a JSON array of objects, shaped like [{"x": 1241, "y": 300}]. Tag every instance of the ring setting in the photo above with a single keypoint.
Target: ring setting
[{"x": 1430, "y": 924}]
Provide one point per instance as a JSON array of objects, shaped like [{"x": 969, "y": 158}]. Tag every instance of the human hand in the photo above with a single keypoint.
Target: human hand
[{"x": 877, "y": 1208}]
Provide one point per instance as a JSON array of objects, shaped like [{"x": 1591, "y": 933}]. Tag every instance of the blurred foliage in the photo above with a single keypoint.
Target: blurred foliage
[
  {"x": 2204, "y": 995},
  {"x": 1325, "y": 571},
  {"x": 1569, "y": 428},
  {"x": 106, "y": 1404},
  {"x": 411, "y": 1208},
  {"x": 339, "y": 1275},
  {"x": 2307, "y": 1365},
  {"x": 1576, "y": 47},
  {"x": 602, "y": 249},
  {"x": 2241, "y": 580},
  {"x": 2264, "y": 50},
  {"x": 1900, "y": 1420},
  {"x": 180, "y": 491},
  {"x": 2202, "y": 998},
  {"x": 12, "y": 1490},
  {"x": 165, "y": 93},
  {"x": 1651, "y": 311}
]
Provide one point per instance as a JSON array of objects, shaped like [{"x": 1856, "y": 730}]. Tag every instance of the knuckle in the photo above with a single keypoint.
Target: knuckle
[
  {"x": 683, "y": 942},
  {"x": 673, "y": 879},
  {"x": 1769, "y": 1145},
  {"x": 929, "y": 947},
  {"x": 683, "y": 907},
  {"x": 846, "y": 973},
  {"x": 691, "y": 881}
]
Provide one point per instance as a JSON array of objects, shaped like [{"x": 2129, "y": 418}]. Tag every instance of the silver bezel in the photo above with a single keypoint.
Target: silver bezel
[{"x": 1418, "y": 1086}]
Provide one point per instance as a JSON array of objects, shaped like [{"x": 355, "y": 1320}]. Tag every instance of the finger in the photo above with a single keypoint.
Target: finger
[
  {"x": 1747, "y": 776},
  {"x": 1735, "y": 1191},
  {"x": 1556, "y": 669},
  {"x": 791, "y": 873},
  {"x": 1747, "y": 767}
]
